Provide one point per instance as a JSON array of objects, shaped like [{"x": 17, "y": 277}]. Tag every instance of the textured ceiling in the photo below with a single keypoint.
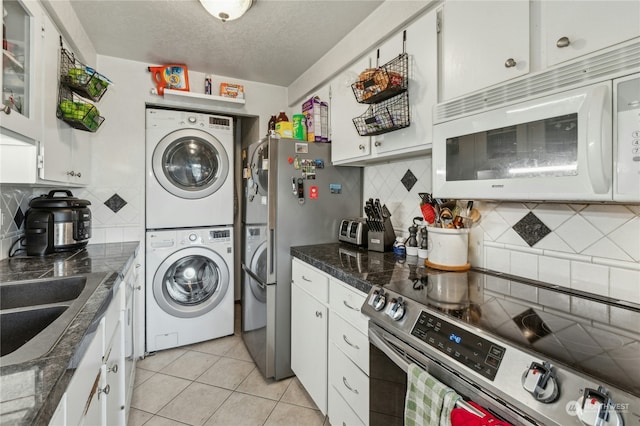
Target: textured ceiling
[{"x": 275, "y": 42}]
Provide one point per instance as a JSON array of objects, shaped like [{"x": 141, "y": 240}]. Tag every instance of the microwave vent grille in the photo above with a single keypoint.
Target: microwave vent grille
[{"x": 596, "y": 67}]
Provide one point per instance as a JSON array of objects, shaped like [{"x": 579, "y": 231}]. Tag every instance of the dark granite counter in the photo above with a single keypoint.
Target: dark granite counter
[
  {"x": 358, "y": 267},
  {"x": 30, "y": 391}
]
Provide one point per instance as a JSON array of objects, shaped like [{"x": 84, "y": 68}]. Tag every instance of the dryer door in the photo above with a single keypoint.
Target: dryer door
[
  {"x": 191, "y": 282},
  {"x": 190, "y": 163}
]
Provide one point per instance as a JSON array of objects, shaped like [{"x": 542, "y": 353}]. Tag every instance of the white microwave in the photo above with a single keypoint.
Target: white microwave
[{"x": 578, "y": 145}]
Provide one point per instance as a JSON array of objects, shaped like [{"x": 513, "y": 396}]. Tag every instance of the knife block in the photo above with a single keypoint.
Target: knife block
[{"x": 382, "y": 241}]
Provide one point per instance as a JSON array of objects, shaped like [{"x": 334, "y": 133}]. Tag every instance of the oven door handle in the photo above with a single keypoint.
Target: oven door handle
[{"x": 376, "y": 340}]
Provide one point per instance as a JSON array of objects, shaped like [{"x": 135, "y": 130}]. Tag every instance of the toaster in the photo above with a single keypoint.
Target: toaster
[{"x": 353, "y": 231}]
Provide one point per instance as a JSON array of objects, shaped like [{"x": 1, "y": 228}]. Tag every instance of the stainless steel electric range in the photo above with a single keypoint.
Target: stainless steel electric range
[{"x": 529, "y": 352}]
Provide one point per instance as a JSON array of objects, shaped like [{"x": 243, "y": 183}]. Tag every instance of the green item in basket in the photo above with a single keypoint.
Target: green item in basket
[{"x": 79, "y": 75}]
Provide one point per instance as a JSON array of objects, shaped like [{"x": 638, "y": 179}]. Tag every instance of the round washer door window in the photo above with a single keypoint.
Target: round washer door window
[
  {"x": 190, "y": 163},
  {"x": 191, "y": 282}
]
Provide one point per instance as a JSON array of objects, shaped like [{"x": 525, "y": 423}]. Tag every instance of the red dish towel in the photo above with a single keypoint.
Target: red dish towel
[{"x": 462, "y": 417}]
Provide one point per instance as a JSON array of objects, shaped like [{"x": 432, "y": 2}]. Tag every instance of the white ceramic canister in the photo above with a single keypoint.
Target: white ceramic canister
[{"x": 448, "y": 247}]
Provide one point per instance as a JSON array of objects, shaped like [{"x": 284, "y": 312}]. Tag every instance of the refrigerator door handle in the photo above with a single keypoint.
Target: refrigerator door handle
[{"x": 272, "y": 251}]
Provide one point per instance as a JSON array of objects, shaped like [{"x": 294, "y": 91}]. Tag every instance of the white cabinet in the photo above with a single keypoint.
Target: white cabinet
[
  {"x": 348, "y": 355},
  {"x": 422, "y": 47},
  {"x": 309, "y": 330},
  {"x": 483, "y": 43},
  {"x": 114, "y": 376},
  {"x": 348, "y": 147},
  {"x": 22, "y": 67},
  {"x": 346, "y": 144},
  {"x": 65, "y": 152},
  {"x": 572, "y": 28}
]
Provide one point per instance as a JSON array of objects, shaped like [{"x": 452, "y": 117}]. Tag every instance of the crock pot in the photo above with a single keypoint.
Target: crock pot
[{"x": 57, "y": 223}]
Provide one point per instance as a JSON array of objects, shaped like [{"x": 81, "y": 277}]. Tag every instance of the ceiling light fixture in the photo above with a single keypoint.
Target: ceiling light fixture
[{"x": 227, "y": 10}]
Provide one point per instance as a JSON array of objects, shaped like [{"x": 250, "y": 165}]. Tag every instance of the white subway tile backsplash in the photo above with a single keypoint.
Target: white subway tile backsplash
[
  {"x": 554, "y": 271},
  {"x": 511, "y": 212},
  {"x": 497, "y": 259},
  {"x": 624, "y": 284},
  {"x": 553, "y": 242},
  {"x": 627, "y": 237},
  {"x": 494, "y": 225},
  {"x": 605, "y": 248},
  {"x": 553, "y": 215},
  {"x": 524, "y": 265},
  {"x": 606, "y": 218},
  {"x": 590, "y": 277}
]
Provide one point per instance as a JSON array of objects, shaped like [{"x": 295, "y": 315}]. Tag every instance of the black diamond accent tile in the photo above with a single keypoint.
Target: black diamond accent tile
[
  {"x": 115, "y": 203},
  {"x": 531, "y": 229},
  {"x": 408, "y": 180},
  {"x": 18, "y": 218}
]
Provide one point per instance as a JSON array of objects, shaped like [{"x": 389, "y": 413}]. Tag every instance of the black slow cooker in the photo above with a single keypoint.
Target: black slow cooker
[{"x": 57, "y": 223}]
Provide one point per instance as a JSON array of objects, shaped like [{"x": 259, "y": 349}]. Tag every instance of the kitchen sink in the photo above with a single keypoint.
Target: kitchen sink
[
  {"x": 39, "y": 292},
  {"x": 35, "y": 313}
]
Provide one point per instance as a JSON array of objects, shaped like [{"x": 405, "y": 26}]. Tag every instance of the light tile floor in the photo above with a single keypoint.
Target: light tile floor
[{"x": 216, "y": 383}]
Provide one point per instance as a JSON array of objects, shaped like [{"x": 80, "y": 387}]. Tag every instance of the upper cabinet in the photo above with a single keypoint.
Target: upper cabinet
[
  {"x": 572, "y": 28},
  {"x": 483, "y": 43},
  {"x": 21, "y": 40},
  {"x": 348, "y": 147}
]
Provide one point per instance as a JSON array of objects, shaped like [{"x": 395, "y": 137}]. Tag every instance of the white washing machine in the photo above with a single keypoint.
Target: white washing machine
[
  {"x": 189, "y": 286},
  {"x": 254, "y": 265},
  {"x": 189, "y": 169}
]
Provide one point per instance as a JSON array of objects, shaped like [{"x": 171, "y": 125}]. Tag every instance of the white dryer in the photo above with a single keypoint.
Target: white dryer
[
  {"x": 189, "y": 169},
  {"x": 189, "y": 286},
  {"x": 254, "y": 276}
]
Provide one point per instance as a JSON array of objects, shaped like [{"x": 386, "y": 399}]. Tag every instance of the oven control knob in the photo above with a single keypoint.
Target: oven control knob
[
  {"x": 540, "y": 381},
  {"x": 595, "y": 408},
  {"x": 378, "y": 299},
  {"x": 396, "y": 309}
]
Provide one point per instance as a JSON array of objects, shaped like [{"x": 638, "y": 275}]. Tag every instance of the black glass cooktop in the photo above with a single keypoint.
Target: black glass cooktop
[{"x": 597, "y": 336}]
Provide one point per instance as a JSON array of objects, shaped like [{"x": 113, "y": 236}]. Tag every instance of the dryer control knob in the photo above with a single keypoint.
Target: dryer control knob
[
  {"x": 192, "y": 119},
  {"x": 193, "y": 237}
]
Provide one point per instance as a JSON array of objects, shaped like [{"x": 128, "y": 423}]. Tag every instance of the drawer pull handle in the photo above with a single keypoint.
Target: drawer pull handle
[
  {"x": 306, "y": 279},
  {"x": 113, "y": 369},
  {"x": 105, "y": 391},
  {"x": 318, "y": 314},
  {"x": 350, "y": 307},
  {"x": 563, "y": 42},
  {"x": 346, "y": 384},
  {"x": 356, "y": 347}
]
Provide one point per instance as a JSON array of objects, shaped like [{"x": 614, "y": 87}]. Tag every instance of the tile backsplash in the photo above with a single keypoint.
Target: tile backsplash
[
  {"x": 117, "y": 214},
  {"x": 590, "y": 247}
]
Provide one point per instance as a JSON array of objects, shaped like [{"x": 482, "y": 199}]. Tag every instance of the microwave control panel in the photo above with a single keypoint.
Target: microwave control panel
[
  {"x": 480, "y": 355},
  {"x": 627, "y": 128}
]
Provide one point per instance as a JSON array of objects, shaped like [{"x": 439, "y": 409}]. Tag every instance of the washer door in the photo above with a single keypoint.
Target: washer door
[
  {"x": 190, "y": 163},
  {"x": 191, "y": 282},
  {"x": 258, "y": 266}
]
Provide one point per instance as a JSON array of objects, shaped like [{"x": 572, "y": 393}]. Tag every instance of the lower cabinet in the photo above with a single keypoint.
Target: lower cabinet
[
  {"x": 329, "y": 344},
  {"x": 309, "y": 330},
  {"x": 100, "y": 391}
]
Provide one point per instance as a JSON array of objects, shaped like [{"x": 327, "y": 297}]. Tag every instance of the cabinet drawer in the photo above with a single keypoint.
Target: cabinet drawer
[
  {"x": 350, "y": 382},
  {"x": 340, "y": 414},
  {"x": 350, "y": 341},
  {"x": 312, "y": 280},
  {"x": 347, "y": 302}
]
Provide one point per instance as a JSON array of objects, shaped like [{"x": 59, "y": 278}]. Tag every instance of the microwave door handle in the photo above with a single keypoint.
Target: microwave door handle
[
  {"x": 378, "y": 342},
  {"x": 599, "y": 146}
]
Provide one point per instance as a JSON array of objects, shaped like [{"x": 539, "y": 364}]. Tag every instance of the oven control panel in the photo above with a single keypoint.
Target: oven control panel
[{"x": 475, "y": 352}]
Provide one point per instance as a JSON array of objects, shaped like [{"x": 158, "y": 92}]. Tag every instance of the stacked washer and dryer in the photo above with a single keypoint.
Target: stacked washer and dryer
[{"x": 189, "y": 228}]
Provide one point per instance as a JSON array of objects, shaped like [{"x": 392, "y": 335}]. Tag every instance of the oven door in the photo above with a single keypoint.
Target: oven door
[{"x": 389, "y": 359}]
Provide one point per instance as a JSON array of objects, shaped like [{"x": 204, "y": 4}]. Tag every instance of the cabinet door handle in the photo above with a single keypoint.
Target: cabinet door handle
[
  {"x": 78, "y": 174},
  {"x": 356, "y": 347},
  {"x": 112, "y": 369},
  {"x": 346, "y": 384},
  {"x": 563, "y": 42},
  {"x": 510, "y": 63},
  {"x": 105, "y": 391},
  {"x": 6, "y": 109},
  {"x": 377, "y": 143},
  {"x": 361, "y": 147},
  {"x": 350, "y": 307},
  {"x": 318, "y": 314},
  {"x": 306, "y": 279}
]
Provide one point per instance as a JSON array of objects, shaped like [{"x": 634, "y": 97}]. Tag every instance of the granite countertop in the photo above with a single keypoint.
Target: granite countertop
[
  {"x": 357, "y": 266},
  {"x": 30, "y": 391}
]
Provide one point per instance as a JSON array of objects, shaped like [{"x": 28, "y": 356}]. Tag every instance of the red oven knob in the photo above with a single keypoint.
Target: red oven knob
[
  {"x": 540, "y": 381},
  {"x": 396, "y": 309}
]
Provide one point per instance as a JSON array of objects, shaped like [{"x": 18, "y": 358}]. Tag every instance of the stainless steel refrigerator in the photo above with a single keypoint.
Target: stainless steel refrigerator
[{"x": 292, "y": 196}]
